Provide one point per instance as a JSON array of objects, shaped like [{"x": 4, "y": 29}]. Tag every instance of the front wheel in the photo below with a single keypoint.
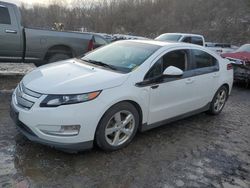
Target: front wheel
[
  {"x": 218, "y": 101},
  {"x": 118, "y": 127}
]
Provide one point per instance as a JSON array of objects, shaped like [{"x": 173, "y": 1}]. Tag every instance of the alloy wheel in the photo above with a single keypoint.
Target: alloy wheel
[
  {"x": 120, "y": 128},
  {"x": 220, "y": 100}
]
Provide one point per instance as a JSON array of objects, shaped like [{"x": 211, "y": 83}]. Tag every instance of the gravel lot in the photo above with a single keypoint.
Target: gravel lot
[{"x": 200, "y": 151}]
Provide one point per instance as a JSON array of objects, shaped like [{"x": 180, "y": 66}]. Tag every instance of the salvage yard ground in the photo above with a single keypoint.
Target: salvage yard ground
[{"x": 201, "y": 151}]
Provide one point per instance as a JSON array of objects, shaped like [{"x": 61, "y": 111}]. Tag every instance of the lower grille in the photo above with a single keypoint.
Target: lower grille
[{"x": 24, "y": 128}]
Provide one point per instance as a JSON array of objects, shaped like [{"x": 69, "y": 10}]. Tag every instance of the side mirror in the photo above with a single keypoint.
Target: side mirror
[{"x": 173, "y": 71}]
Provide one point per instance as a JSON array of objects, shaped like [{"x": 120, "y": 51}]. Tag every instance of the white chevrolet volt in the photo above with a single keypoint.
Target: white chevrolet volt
[{"x": 108, "y": 95}]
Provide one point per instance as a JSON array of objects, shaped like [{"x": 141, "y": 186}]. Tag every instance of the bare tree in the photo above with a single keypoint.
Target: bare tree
[{"x": 221, "y": 21}]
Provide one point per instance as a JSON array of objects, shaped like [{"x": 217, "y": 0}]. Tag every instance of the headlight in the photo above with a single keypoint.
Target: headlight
[{"x": 58, "y": 100}]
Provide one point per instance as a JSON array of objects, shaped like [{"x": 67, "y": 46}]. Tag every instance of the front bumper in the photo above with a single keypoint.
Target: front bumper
[
  {"x": 33, "y": 121},
  {"x": 28, "y": 133}
]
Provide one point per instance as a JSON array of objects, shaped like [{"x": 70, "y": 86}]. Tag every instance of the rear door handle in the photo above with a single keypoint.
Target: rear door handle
[
  {"x": 10, "y": 31},
  {"x": 154, "y": 86},
  {"x": 215, "y": 75},
  {"x": 189, "y": 81}
]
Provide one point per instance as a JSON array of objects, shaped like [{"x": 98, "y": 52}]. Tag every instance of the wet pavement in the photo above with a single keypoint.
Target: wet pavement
[
  {"x": 200, "y": 151},
  {"x": 12, "y": 73}
]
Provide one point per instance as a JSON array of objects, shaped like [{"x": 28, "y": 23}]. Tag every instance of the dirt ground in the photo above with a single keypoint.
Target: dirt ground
[{"x": 200, "y": 151}]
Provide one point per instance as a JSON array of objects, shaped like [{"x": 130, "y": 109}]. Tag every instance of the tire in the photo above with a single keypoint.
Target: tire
[
  {"x": 218, "y": 103},
  {"x": 110, "y": 133},
  {"x": 58, "y": 57}
]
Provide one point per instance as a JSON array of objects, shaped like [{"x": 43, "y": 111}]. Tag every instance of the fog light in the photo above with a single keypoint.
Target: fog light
[{"x": 65, "y": 130}]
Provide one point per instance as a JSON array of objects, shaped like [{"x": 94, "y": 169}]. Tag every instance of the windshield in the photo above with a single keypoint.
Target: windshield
[
  {"x": 124, "y": 56},
  {"x": 244, "y": 48},
  {"x": 168, "y": 37}
]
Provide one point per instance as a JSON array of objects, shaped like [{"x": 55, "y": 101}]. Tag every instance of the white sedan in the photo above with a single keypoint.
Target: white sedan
[{"x": 111, "y": 93}]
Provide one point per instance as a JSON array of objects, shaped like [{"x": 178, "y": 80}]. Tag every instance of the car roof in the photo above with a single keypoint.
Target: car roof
[
  {"x": 170, "y": 44},
  {"x": 165, "y": 43}
]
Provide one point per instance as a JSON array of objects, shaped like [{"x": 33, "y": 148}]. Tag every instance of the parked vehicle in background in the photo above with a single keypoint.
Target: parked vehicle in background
[
  {"x": 241, "y": 62},
  {"x": 19, "y": 44},
  {"x": 182, "y": 37},
  {"x": 117, "y": 37},
  {"x": 99, "y": 40},
  {"x": 221, "y": 48},
  {"x": 107, "y": 37},
  {"x": 108, "y": 95}
]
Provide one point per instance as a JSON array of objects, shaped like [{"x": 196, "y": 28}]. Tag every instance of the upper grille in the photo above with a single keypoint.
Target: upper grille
[
  {"x": 25, "y": 97},
  {"x": 28, "y": 91}
]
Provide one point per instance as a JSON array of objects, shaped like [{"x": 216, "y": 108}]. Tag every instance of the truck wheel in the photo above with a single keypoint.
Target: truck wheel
[
  {"x": 58, "y": 57},
  {"x": 118, "y": 127},
  {"x": 218, "y": 101}
]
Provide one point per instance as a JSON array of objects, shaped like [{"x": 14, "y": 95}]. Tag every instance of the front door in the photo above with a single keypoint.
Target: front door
[{"x": 171, "y": 97}]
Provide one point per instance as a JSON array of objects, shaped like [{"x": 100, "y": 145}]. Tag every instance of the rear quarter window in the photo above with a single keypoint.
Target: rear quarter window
[
  {"x": 4, "y": 16},
  {"x": 202, "y": 59}
]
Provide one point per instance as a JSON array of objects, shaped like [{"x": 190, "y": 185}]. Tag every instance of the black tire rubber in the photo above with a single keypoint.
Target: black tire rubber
[
  {"x": 211, "y": 110},
  {"x": 100, "y": 132},
  {"x": 58, "y": 57}
]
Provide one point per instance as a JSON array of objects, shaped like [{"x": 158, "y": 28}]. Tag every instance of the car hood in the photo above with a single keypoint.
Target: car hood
[
  {"x": 245, "y": 56},
  {"x": 71, "y": 77}
]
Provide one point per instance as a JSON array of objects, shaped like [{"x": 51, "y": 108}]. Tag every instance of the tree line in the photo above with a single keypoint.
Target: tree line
[{"x": 219, "y": 21}]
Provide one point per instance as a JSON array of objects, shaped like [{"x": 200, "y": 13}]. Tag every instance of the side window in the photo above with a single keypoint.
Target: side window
[
  {"x": 4, "y": 16},
  {"x": 99, "y": 41},
  {"x": 187, "y": 40},
  {"x": 177, "y": 58},
  {"x": 156, "y": 70},
  {"x": 202, "y": 59},
  {"x": 197, "y": 40}
]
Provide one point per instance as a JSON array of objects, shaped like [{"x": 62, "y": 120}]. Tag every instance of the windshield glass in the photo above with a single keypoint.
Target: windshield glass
[
  {"x": 124, "y": 56},
  {"x": 168, "y": 37},
  {"x": 244, "y": 48}
]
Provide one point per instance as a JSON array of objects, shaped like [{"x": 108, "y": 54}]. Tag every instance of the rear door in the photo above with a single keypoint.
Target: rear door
[
  {"x": 206, "y": 68},
  {"x": 10, "y": 34}
]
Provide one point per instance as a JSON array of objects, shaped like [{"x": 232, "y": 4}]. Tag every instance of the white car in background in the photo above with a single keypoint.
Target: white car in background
[
  {"x": 182, "y": 37},
  {"x": 109, "y": 94}
]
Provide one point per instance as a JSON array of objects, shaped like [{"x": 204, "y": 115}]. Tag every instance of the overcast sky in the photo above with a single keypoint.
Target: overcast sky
[
  {"x": 18, "y": 2},
  {"x": 30, "y": 2}
]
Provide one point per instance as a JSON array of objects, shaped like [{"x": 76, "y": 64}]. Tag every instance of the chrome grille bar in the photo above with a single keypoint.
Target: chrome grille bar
[
  {"x": 22, "y": 102},
  {"x": 28, "y": 91}
]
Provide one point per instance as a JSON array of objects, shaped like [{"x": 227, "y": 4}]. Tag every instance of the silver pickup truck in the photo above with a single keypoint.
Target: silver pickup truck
[{"x": 19, "y": 44}]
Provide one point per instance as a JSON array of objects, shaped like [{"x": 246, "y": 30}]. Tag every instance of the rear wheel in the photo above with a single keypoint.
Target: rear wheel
[
  {"x": 219, "y": 101},
  {"x": 58, "y": 57},
  {"x": 118, "y": 127}
]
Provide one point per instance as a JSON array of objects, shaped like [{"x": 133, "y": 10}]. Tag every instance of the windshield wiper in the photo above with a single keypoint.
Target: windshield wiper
[{"x": 100, "y": 64}]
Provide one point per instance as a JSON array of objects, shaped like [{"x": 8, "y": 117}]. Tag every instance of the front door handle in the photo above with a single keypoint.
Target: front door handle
[
  {"x": 154, "y": 86},
  {"x": 10, "y": 31},
  {"x": 189, "y": 81}
]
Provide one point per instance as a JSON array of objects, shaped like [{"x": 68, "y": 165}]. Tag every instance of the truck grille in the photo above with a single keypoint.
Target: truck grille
[{"x": 26, "y": 98}]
